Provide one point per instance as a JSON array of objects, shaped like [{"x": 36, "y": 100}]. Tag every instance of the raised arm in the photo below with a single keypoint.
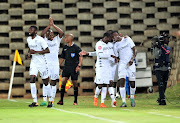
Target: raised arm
[{"x": 61, "y": 33}]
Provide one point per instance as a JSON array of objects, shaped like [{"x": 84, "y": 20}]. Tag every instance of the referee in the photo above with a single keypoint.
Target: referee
[{"x": 73, "y": 62}]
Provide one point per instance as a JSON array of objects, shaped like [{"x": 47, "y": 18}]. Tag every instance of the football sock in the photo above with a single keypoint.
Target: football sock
[
  {"x": 44, "y": 93},
  {"x": 49, "y": 92},
  {"x": 97, "y": 91},
  {"x": 33, "y": 92},
  {"x": 123, "y": 93},
  {"x": 111, "y": 93},
  {"x": 62, "y": 92},
  {"x": 132, "y": 92},
  {"x": 53, "y": 91},
  {"x": 75, "y": 94},
  {"x": 103, "y": 94}
]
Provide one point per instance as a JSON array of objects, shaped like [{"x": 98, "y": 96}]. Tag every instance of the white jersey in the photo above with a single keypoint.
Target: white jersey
[
  {"x": 37, "y": 44},
  {"x": 54, "y": 46},
  {"x": 103, "y": 63},
  {"x": 123, "y": 50},
  {"x": 113, "y": 65}
]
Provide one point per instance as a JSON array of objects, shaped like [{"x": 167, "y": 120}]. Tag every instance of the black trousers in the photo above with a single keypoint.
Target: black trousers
[{"x": 162, "y": 78}]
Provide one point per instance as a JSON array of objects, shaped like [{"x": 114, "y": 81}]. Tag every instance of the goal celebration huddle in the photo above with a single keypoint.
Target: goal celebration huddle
[{"x": 115, "y": 62}]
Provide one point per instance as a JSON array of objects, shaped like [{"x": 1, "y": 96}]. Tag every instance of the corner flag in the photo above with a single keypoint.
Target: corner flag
[
  {"x": 68, "y": 84},
  {"x": 17, "y": 58}
]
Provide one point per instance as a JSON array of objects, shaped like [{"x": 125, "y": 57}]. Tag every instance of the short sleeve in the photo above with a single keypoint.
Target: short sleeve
[
  {"x": 131, "y": 42},
  {"x": 99, "y": 47},
  {"x": 78, "y": 51},
  {"x": 58, "y": 39},
  {"x": 43, "y": 43}
]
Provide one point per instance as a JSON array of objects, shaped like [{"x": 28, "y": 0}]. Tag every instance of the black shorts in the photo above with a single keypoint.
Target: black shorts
[{"x": 70, "y": 72}]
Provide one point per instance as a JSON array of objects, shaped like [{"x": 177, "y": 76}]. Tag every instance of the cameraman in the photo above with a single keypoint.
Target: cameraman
[{"x": 161, "y": 52}]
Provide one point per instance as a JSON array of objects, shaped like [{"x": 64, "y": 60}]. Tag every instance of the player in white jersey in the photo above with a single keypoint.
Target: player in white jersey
[
  {"x": 52, "y": 57},
  {"x": 126, "y": 51},
  {"x": 37, "y": 49},
  {"x": 103, "y": 74}
]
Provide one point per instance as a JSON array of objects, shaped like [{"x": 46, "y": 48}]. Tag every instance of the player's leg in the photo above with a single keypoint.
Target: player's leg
[
  {"x": 132, "y": 92},
  {"x": 103, "y": 95},
  {"x": 121, "y": 85},
  {"x": 122, "y": 72},
  {"x": 33, "y": 91},
  {"x": 111, "y": 93},
  {"x": 33, "y": 73},
  {"x": 132, "y": 77},
  {"x": 97, "y": 91},
  {"x": 47, "y": 87},
  {"x": 53, "y": 87},
  {"x": 54, "y": 78}
]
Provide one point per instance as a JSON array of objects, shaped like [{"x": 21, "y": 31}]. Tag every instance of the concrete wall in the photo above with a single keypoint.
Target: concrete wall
[{"x": 87, "y": 20}]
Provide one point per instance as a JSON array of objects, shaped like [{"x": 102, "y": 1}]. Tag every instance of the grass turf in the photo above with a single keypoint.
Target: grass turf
[{"x": 146, "y": 110}]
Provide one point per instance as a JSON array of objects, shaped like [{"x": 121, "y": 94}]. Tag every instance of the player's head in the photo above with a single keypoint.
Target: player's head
[
  {"x": 106, "y": 37},
  {"x": 116, "y": 36},
  {"x": 69, "y": 37},
  {"x": 32, "y": 31},
  {"x": 110, "y": 32},
  {"x": 50, "y": 34}
]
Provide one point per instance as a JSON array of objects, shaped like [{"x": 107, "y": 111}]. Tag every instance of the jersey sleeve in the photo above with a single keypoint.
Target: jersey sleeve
[
  {"x": 92, "y": 53},
  {"x": 63, "y": 54},
  {"x": 131, "y": 42},
  {"x": 116, "y": 50},
  {"x": 78, "y": 51},
  {"x": 43, "y": 44},
  {"x": 58, "y": 39},
  {"x": 100, "y": 52}
]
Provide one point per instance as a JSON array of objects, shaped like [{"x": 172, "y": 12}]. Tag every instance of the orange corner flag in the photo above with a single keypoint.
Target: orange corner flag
[{"x": 17, "y": 57}]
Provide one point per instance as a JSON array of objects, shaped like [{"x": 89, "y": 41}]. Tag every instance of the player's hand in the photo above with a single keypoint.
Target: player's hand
[
  {"x": 77, "y": 69},
  {"x": 130, "y": 62},
  {"x": 82, "y": 53},
  {"x": 125, "y": 36},
  {"x": 116, "y": 60},
  {"x": 28, "y": 56},
  {"x": 51, "y": 21},
  {"x": 32, "y": 51}
]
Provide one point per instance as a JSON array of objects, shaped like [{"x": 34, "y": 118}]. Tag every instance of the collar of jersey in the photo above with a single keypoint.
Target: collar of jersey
[{"x": 71, "y": 44}]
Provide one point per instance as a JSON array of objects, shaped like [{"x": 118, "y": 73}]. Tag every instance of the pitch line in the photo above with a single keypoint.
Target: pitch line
[
  {"x": 90, "y": 116},
  {"x": 164, "y": 115},
  {"x": 12, "y": 100}
]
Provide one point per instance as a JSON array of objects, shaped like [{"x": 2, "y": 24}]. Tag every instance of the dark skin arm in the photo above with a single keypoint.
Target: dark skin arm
[
  {"x": 134, "y": 55},
  {"x": 60, "y": 62},
  {"x": 39, "y": 52}
]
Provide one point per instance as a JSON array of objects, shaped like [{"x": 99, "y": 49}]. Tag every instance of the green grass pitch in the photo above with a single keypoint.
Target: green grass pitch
[{"x": 146, "y": 110}]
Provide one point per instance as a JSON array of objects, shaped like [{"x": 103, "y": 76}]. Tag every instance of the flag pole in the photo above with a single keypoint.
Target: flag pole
[{"x": 11, "y": 81}]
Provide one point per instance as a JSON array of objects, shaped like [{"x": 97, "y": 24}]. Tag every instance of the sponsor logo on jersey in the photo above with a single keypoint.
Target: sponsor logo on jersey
[
  {"x": 72, "y": 55},
  {"x": 99, "y": 47}
]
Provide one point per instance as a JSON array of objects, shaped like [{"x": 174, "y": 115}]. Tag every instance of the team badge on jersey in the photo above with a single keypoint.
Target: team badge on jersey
[
  {"x": 72, "y": 55},
  {"x": 99, "y": 47}
]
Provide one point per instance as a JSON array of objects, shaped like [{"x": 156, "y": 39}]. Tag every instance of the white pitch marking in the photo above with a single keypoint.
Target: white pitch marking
[
  {"x": 90, "y": 116},
  {"x": 12, "y": 100},
  {"x": 164, "y": 115}
]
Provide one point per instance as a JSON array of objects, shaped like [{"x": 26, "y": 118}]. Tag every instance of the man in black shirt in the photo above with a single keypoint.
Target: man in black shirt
[{"x": 73, "y": 62}]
